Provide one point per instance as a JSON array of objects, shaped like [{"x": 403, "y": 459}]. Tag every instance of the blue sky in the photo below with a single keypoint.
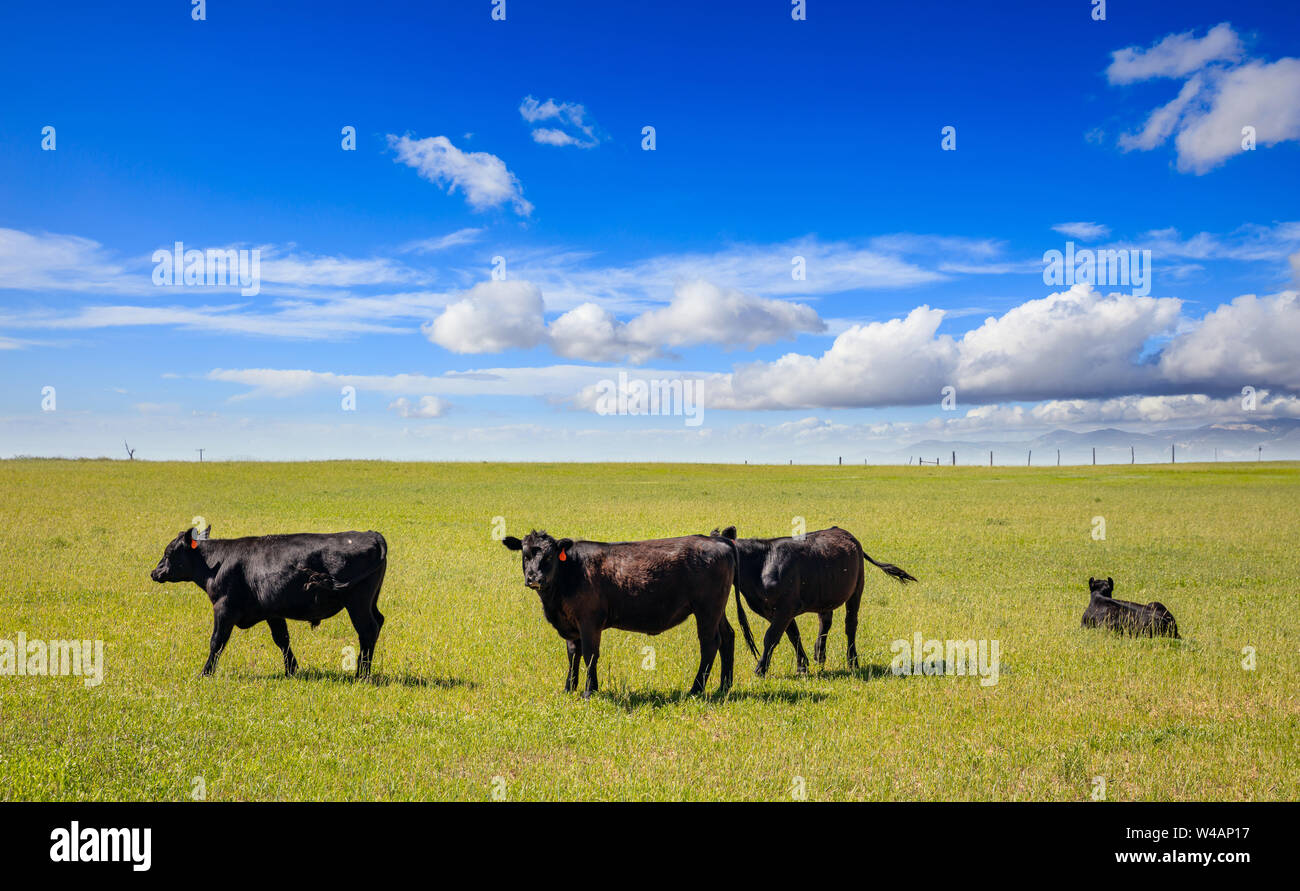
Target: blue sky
[{"x": 522, "y": 139}]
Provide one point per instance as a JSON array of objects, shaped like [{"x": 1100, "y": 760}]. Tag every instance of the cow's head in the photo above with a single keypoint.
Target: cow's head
[
  {"x": 1102, "y": 587},
  {"x": 729, "y": 532},
  {"x": 177, "y": 563},
  {"x": 542, "y": 556}
]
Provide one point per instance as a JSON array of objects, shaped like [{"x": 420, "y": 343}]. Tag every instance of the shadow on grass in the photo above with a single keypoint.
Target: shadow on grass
[
  {"x": 632, "y": 699},
  {"x": 868, "y": 672},
  {"x": 376, "y": 679}
]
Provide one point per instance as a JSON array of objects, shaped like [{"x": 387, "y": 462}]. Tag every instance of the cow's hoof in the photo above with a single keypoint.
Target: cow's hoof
[
  {"x": 802, "y": 671},
  {"x": 586, "y": 694},
  {"x": 759, "y": 671}
]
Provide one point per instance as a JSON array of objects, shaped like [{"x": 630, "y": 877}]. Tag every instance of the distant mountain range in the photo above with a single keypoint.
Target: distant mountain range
[{"x": 1236, "y": 441}]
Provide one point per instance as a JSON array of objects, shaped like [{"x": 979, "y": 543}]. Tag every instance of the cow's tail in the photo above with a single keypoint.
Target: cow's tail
[
  {"x": 740, "y": 607},
  {"x": 889, "y": 569}
]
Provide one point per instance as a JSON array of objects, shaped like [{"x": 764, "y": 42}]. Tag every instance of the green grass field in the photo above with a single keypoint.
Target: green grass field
[{"x": 467, "y": 694}]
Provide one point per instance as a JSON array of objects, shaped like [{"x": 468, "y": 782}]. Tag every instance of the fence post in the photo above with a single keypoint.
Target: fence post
[
  {"x": 1029, "y": 462},
  {"x": 1094, "y": 456}
]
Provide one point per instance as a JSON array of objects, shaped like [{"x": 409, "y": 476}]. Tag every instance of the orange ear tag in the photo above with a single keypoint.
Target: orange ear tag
[
  {"x": 194, "y": 545},
  {"x": 563, "y": 556}
]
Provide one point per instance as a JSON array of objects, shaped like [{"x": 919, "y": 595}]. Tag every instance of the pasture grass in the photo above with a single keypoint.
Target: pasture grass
[{"x": 467, "y": 694}]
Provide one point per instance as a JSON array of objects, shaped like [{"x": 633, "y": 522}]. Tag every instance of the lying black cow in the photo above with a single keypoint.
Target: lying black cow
[
  {"x": 306, "y": 577},
  {"x": 1104, "y": 611},
  {"x": 784, "y": 577},
  {"x": 645, "y": 586}
]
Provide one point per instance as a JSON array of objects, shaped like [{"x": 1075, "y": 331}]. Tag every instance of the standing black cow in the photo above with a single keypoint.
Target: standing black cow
[
  {"x": 784, "y": 577},
  {"x": 645, "y": 586},
  {"x": 1104, "y": 611},
  {"x": 307, "y": 577}
]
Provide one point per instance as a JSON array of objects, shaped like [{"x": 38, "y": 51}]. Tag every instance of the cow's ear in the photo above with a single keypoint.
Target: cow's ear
[
  {"x": 564, "y": 544},
  {"x": 729, "y": 532},
  {"x": 203, "y": 534},
  {"x": 1091, "y": 581},
  {"x": 188, "y": 537},
  {"x": 512, "y": 543},
  {"x": 1111, "y": 582}
]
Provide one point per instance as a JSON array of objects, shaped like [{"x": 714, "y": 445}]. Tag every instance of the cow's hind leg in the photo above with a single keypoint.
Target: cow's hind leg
[
  {"x": 727, "y": 647},
  {"x": 801, "y": 658},
  {"x": 819, "y": 648},
  {"x": 851, "y": 627},
  {"x": 366, "y": 619},
  {"x": 280, "y": 634},
  {"x": 707, "y": 632},
  {"x": 773, "y": 637}
]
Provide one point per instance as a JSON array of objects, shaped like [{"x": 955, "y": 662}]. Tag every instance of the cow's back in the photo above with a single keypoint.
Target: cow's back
[
  {"x": 277, "y": 568},
  {"x": 824, "y": 564},
  {"x": 652, "y": 585}
]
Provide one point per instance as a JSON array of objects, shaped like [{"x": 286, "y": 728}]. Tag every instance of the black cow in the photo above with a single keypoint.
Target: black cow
[
  {"x": 784, "y": 577},
  {"x": 1104, "y": 611},
  {"x": 306, "y": 577},
  {"x": 645, "y": 586}
]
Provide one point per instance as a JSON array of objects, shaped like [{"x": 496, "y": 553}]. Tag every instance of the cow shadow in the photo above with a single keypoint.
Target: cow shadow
[
  {"x": 629, "y": 700},
  {"x": 869, "y": 672},
  {"x": 378, "y": 679}
]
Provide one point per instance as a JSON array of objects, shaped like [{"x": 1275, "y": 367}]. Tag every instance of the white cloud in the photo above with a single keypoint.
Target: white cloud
[
  {"x": 1263, "y": 95},
  {"x": 46, "y": 261},
  {"x": 1082, "y": 231},
  {"x": 1222, "y": 95},
  {"x": 575, "y": 129},
  {"x": 1175, "y": 55},
  {"x": 1074, "y": 343},
  {"x": 483, "y": 177},
  {"x": 1252, "y": 341},
  {"x": 442, "y": 242},
  {"x": 427, "y": 407},
  {"x": 493, "y": 316}
]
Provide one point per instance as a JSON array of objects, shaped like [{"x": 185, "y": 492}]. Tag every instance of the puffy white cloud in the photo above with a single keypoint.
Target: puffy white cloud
[
  {"x": 1082, "y": 231},
  {"x": 1252, "y": 341},
  {"x": 701, "y": 312},
  {"x": 492, "y": 317},
  {"x": 898, "y": 362},
  {"x": 1221, "y": 96},
  {"x": 580, "y": 132},
  {"x": 427, "y": 407},
  {"x": 1077, "y": 343},
  {"x": 1175, "y": 55},
  {"x": 483, "y": 177},
  {"x": 1262, "y": 95},
  {"x": 496, "y": 316},
  {"x": 592, "y": 332}
]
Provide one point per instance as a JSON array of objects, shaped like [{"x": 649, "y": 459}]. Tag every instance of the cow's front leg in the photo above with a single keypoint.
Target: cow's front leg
[
  {"x": 222, "y": 624},
  {"x": 590, "y": 655},
  {"x": 280, "y": 634},
  {"x": 575, "y": 661}
]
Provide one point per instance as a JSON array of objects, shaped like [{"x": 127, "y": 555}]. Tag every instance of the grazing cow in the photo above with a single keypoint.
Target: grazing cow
[
  {"x": 1104, "y": 611},
  {"x": 784, "y": 577},
  {"x": 306, "y": 577},
  {"x": 645, "y": 586}
]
